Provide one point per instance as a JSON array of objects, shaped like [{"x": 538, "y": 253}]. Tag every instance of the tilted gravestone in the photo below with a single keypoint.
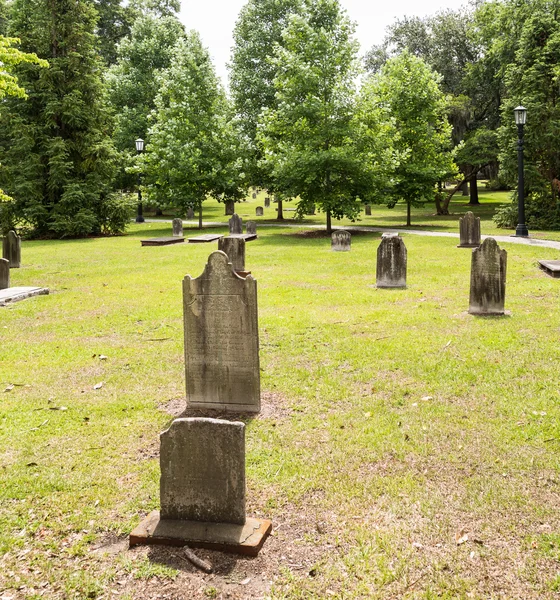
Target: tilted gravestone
[
  {"x": 190, "y": 212},
  {"x": 4, "y": 273},
  {"x": 236, "y": 224},
  {"x": 230, "y": 207},
  {"x": 341, "y": 241},
  {"x": 251, "y": 228},
  {"x": 391, "y": 262},
  {"x": 221, "y": 338},
  {"x": 11, "y": 249},
  {"x": 178, "y": 227},
  {"x": 469, "y": 231},
  {"x": 259, "y": 211},
  {"x": 488, "y": 279},
  {"x": 367, "y": 209},
  {"x": 234, "y": 247},
  {"x": 267, "y": 202}
]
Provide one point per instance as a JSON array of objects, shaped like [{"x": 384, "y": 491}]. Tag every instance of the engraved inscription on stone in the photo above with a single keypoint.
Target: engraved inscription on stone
[
  {"x": 203, "y": 471},
  {"x": 469, "y": 231},
  {"x": 4, "y": 273},
  {"x": 178, "y": 227},
  {"x": 236, "y": 224},
  {"x": 488, "y": 279},
  {"x": 340, "y": 241},
  {"x": 11, "y": 249},
  {"x": 221, "y": 338},
  {"x": 391, "y": 262},
  {"x": 235, "y": 249}
]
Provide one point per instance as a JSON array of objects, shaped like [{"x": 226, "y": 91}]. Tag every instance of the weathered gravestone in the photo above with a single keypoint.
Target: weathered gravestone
[
  {"x": 254, "y": 196},
  {"x": 488, "y": 279},
  {"x": 221, "y": 338},
  {"x": 190, "y": 212},
  {"x": 234, "y": 247},
  {"x": 11, "y": 249},
  {"x": 230, "y": 207},
  {"x": 340, "y": 241},
  {"x": 251, "y": 228},
  {"x": 202, "y": 490},
  {"x": 4, "y": 273},
  {"x": 367, "y": 209},
  {"x": 178, "y": 227},
  {"x": 469, "y": 231},
  {"x": 391, "y": 262},
  {"x": 259, "y": 211},
  {"x": 267, "y": 202},
  {"x": 236, "y": 224}
]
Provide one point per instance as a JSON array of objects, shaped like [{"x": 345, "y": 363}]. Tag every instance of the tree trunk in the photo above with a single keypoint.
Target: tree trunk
[
  {"x": 408, "y": 213},
  {"x": 159, "y": 212},
  {"x": 329, "y": 224},
  {"x": 464, "y": 187},
  {"x": 280, "y": 215},
  {"x": 200, "y": 216},
  {"x": 473, "y": 188}
]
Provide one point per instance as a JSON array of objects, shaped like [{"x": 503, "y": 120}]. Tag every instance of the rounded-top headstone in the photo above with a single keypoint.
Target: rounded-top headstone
[
  {"x": 236, "y": 225},
  {"x": 469, "y": 231},
  {"x": 251, "y": 228},
  {"x": 4, "y": 273},
  {"x": 391, "y": 262},
  {"x": 488, "y": 279},
  {"x": 259, "y": 211},
  {"x": 341, "y": 241},
  {"x": 178, "y": 227},
  {"x": 11, "y": 249}
]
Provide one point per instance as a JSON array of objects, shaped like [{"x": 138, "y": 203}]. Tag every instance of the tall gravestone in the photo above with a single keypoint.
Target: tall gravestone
[
  {"x": 11, "y": 249},
  {"x": 234, "y": 247},
  {"x": 230, "y": 207},
  {"x": 367, "y": 210},
  {"x": 341, "y": 241},
  {"x": 488, "y": 279},
  {"x": 221, "y": 338},
  {"x": 4, "y": 273},
  {"x": 391, "y": 263},
  {"x": 251, "y": 228},
  {"x": 178, "y": 227},
  {"x": 469, "y": 231},
  {"x": 267, "y": 202},
  {"x": 259, "y": 212},
  {"x": 235, "y": 225}
]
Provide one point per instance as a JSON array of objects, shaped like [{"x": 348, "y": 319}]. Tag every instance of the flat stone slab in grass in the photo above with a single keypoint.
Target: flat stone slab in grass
[
  {"x": 248, "y": 237},
  {"x": 551, "y": 267},
  {"x": 202, "y": 239},
  {"x": 245, "y": 539},
  {"x": 14, "y": 294},
  {"x": 162, "y": 241}
]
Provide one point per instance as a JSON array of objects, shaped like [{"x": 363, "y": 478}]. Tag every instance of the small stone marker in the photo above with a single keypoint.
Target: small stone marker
[
  {"x": 367, "y": 209},
  {"x": 230, "y": 207},
  {"x": 254, "y": 196},
  {"x": 488, "y": 279},
  {"x": 202, "y": 490},
  {"x": 469, "y": 231},
  {"x": 391, "y": 262},
  {"x": 190, "y": 213},
  {"x": 251, "y": 228},
  {"x": 259, "y": 211},
  {"x": 177, "y": 228},
  {"x": 234, "y": 247},
  {"x": 267, "y": 202},
  {"x": 236, "y": 224},
  {"x": 221, "y": 338},
  {"x": 550, "y": 267},
  {"x": 11, "y": 249},
  {"x": 340, "y": 241},
  {"x": 4, "y": 273}
]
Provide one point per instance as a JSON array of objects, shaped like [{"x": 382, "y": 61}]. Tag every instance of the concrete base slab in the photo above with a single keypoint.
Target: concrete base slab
[
  {"x": 15, "y": 294},
  {"x": 201, "y": 239},
  {"x": 468, "y": 246},
  {"x": 248, "y": 237},
  {"x": 163, "y": 241},
  {"x": 550, "y": 267},
  {"x": 245, "y": 539}
]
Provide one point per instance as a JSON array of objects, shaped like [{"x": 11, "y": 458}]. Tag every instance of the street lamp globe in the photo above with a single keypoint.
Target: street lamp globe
[
  {"x": 520, "y": 115},
  {"x": 139, "y": 145}
]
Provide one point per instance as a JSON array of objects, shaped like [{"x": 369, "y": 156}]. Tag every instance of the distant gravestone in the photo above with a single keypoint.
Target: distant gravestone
[
  {"x": 267, "y": 202},
  {"x": 488, "y": 279},
  {"x": 254, "y": 196},
  {"x": 259, "y": 211},
  {"x": 230, "y": 207},
  {"x": 190, "y": 212},
  {"x": 234, "y": 247},
  {"x": 11, "y": 249},
  {"x": 221, "y": 338},
  {"x": 203, "y": 471},
  {"x": 4, "y": 273},
  {"x": 391, "y": 262},
  {"x": 178, "y": 227},
  {"x": 469, "y": 231},
  {"x": 367, "y": 209},
  {"x": 251, "y": 228},
  {"x": 340, "y": 241},
  {"x": 236, "y": 224}
]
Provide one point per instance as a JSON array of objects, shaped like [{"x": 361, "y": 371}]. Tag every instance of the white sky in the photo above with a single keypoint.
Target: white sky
[{"x": 215, "y": 20}]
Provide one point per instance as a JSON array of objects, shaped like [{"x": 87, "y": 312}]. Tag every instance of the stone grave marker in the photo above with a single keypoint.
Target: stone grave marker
[
  {"x": 234, "y": 247},
  {"x": 341, "y": 241},
  {"x": 254, "y": 196},
  {"x": 469, "y": 231},
  {"x": 202, "y": 490},
  {"x": 4, "y": 273},
  {"x": 267, "y": 202},
  {"x": 488, "y": 279},
  {"x": 391, "y": 262},
  {"x": 367, "y": 209},
  {"x": 190, "y": 213},
  {"x": 221, "y": 338},
  {"x": 230, "y": 207},
  {"x": 11, "y": 249},
  {"x": 236, "y": 224},
  {"x": 251, "y": 228},
  {"x": 178, "y": 227},
  {"x": 259, "y": 211}
]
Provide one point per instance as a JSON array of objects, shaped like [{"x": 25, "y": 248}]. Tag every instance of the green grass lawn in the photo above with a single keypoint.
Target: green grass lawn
[{"x": 405, "y": 449}]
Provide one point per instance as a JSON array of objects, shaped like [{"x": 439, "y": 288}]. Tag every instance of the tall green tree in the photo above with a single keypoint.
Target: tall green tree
[
  {"x": 193, "y": 147},
  {"x": 309, "y": 138},
  {"x": 113, "y": 24},
  {"x": 56, "y": 153}
]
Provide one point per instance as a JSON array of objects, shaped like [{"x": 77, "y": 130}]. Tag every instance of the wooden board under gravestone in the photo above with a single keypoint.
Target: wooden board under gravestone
[
  {"x": 162, "y": 241},
  {"x": 234, "y": 247},
  {"x": 11, "y": 249},
  {"x": 469, "y": 231},
  {"x": 177, "y": 227},
  {"x": 4, "y": 273},
  {"x": 550, "y": 267},
  {"x": 391, "y": 262},
  {"x": 341, "y": 241},
  {"x": 488, "y": 279},
  {"x": 207, "y": 237},
  {"x": 236, "y": 224},
  {"x": 221, "y": 338}
]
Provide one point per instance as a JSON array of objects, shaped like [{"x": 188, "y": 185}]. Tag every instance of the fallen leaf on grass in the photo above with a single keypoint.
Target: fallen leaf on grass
[
  {"x": 246, "y": 581},
  {"x": 461, "y": 537},
  {"x": 427, "y": 398},
  {"x": 102, "y": 357},
  {"x": 98, "y": 386},
  {"x": 41, "y": 425}
]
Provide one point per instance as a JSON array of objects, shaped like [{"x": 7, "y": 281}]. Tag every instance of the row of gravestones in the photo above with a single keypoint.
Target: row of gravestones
[{"x": 11, "y": 258}]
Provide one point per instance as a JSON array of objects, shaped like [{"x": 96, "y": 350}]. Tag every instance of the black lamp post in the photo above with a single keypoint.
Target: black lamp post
[
  {"x": 520, "y": 119},
  {"x": 139, "y": 149}
]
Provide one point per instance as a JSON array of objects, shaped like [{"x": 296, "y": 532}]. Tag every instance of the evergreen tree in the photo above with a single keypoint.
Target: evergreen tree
[{"x": 113, "y": 24}]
